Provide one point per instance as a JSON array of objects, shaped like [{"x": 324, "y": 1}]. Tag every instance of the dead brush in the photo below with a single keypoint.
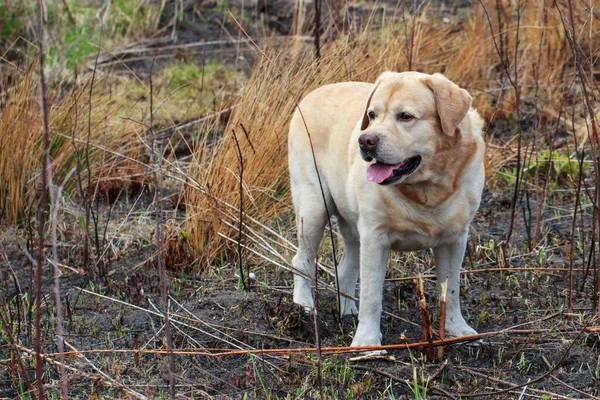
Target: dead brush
[
  {"x": 107, "y": 144},
  {"x": 463, "y": 50}
]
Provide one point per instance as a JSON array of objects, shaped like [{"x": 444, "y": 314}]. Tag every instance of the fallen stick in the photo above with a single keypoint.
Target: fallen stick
[
  {"x": 474, "y": 271},
  {"x": 593, "y": 329},
  {"x": 219, "y": 352}
]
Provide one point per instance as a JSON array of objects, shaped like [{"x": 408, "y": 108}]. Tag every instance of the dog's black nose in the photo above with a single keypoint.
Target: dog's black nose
[{"x": 368, "y": 141}]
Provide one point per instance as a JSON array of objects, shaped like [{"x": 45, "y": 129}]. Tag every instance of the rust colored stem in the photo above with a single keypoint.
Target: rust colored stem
[
  {"x": 444, "y": 287},
  {"x": 426, "y": 331}
]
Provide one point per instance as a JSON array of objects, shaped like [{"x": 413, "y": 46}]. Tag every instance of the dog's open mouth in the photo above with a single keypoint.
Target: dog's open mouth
[{"x": 385, "y": 173}]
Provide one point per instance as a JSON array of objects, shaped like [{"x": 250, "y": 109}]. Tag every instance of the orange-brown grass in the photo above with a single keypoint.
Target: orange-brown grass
[
  {"x": 463, "y": 51},
  {"x": 115, "y": 149}
]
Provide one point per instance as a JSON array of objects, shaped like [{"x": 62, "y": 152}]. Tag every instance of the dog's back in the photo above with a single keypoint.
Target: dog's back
[{"x": 322, "y": 125}]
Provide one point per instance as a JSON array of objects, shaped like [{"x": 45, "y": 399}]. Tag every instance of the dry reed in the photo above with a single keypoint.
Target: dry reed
[
  {"x": 115, "y": 150},
  {"x": 462, "y": 49}
]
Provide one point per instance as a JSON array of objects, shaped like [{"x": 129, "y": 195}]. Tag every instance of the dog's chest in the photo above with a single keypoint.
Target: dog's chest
[
  {"x": 413, "y": 241},
  {"x": 414, "y": 228}
]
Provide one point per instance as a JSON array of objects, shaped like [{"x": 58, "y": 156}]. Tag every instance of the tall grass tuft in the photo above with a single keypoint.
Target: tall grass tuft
[
  {"x": 461, "y": 48},
  {"x": 110, "y": 144}
]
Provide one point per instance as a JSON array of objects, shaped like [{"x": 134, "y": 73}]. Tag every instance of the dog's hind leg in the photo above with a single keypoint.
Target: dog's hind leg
[
  {"x": 349, "y": 268},
  {"x": 311, "y": 217},
  {"x": 448, "y": 260}
]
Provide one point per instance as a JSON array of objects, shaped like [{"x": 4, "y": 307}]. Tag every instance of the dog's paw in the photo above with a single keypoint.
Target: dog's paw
[
  {"x": 366, "y": 337},
  {"x": 348, "y": 307},
  {"x": 308, "y": 308},
  {"x": 303, "y": 294},
  {"x": 360, "y": 341},
  {"x": 459, "y": 328}
]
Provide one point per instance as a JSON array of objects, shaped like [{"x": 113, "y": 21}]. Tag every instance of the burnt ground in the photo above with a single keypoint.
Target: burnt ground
[
  {"x": 211, "y": 311},
  {"x": 115, "y": 305}
]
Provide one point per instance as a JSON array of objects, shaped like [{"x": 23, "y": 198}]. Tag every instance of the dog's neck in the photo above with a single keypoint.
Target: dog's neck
[{"x": 443, "y": 175}]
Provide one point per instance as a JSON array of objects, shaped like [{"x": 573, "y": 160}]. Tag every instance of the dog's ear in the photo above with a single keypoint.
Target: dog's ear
[
  {"x": 365, "y": 120},
  {"x": 452, "y": 102}
]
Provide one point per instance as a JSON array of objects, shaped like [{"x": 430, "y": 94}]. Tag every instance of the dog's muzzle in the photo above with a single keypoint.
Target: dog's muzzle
[
  {"x": 384, "y": 174},
  {"x": 367, "y": 142}
]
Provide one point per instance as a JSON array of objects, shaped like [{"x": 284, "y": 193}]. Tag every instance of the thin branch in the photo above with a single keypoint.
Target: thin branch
[
  {"x": 55, "y": 206},
  {"x": 489, "y": 270},
  {"x": 426, "y": 331},
  {"x": 444, "y": 289},
  {"x": 157, "y": 154},
  {"x": 241, "y": 218},
  {"x": 41, "y": 212},
  {"x": 317, "y": 31},
  {"x": 220, "y": 352}
]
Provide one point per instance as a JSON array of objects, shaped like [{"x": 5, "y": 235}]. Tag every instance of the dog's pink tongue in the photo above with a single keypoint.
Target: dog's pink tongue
[{"x": 379, "y": 172}]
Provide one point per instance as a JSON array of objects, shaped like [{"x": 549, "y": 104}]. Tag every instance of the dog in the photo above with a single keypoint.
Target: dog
[{"x": 400, "y": 163}]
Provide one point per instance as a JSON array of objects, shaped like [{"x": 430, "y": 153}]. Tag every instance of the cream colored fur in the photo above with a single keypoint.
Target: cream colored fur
[{"x": 430, "y": 208}]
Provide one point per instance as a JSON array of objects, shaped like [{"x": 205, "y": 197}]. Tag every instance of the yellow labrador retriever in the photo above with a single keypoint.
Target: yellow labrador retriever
[{"x": 400, "y": 163}]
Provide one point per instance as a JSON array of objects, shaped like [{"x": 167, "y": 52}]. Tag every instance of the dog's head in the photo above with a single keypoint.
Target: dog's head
[{"x": 408, "y": 118}]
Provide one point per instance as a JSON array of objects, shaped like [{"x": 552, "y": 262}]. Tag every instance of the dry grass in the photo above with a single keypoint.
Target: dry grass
[
  {"x": 462, "y": 49},
  {"x": 105, "y": 151}
]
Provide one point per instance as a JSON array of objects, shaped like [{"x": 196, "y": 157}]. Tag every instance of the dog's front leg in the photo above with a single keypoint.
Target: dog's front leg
[
  {"x": 448, "y": 260},
  {"x": 374, "y": 253}
]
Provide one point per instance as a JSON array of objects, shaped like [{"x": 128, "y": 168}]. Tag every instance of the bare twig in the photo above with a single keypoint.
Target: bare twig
[
  {"x": 197, "y": 121},
  {"x": 410, "y": 41},
  {"x": 41, "y": 212},
  {"x": 56, "y": 198},
  {"x": 89, "y": 212},
  {"x": 221, "y": 352},
  {"x": 231, "y": 341},
  {"x": 333, "y": 289},
  {"x": 595, "y": 137},
  {"x": 514, "y": 83},
  {"x": 490, "y": 270},
  {"x": 574, "y": 388},
  {"x": 317, "y": 31},
  {"x": 512, "y": 386},
  {"x": 148, "y": 47},
  {"x": 539, "y": 194},
  {"x": 349, "y": 30},
  {"x": 69, "y": 13},
  {"x": 157, "y": 154},
  {"x": 241, "y": 218},
  {"x": 444, "y": 287},
  {"x": 426, "y": 332}
]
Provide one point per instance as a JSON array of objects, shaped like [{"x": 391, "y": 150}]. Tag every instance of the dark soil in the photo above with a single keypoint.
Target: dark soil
[{"x": 222, "y": 316}]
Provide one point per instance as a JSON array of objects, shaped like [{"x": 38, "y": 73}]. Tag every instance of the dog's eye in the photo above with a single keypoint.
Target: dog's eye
[
  {"x": 371, "y": 115},
  {"x": 403, "y": 116}
]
